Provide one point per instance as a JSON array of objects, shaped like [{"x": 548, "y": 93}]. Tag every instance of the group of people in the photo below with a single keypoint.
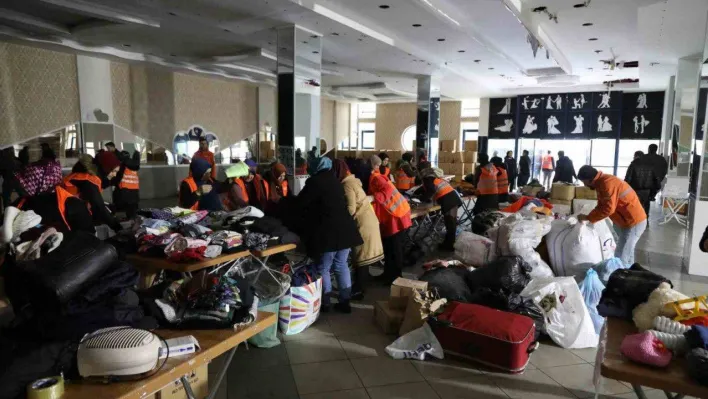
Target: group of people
[
  {"x": 646, "y": 175},
  {"x": 520, "y": 173}
]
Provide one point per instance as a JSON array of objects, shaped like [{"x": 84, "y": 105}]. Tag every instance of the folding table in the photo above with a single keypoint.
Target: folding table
[{"x": 468, "y": 202}]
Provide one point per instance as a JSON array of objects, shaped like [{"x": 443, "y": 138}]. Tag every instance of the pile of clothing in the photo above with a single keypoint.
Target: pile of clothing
[{"x": 27, "y": 238}]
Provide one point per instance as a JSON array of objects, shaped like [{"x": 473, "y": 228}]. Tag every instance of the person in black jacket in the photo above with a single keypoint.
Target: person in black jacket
[
  {"x": 511, "y": 170},
  {"x": 524, "y": 169},
  {"x": 495, "y": 158},
  {"x": 328, "y": 230},
  {"x": 565, "y": 171},
  {"x": 641, "y": 176},
  {"x": 661, "y": 167}
]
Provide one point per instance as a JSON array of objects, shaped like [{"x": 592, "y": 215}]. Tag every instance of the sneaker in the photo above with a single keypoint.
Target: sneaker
[{"x": 343, "y": 307}]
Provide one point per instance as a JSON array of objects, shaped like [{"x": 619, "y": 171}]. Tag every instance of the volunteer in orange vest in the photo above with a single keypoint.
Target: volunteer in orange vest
[
  {"x": 548, "y": 165},
  {"x": 405, "y": 173},
  {"x": 232, "y": 192},
  {"x": 125, "y": 182},
  {"x": 441, "y": 191},
  {"x": 485, "y": 181},
  {"x": 204, "y": 153},
  {"x": 394, "y": 214},
  {"x": 84, "y": 183},
  {"x": 276, "y": 179},
  {"x": 196, "y": 192},
  {"x": 385, "y": 168},
  {"x": 255, "y": 189},
  {"x": 618, "y": 201},
  {"x": 59, "y": 209},
  {"x": 502, "y": 181}
]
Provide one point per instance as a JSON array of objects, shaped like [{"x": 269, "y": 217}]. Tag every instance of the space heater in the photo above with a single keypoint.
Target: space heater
[{"x": 117, "y": 351}]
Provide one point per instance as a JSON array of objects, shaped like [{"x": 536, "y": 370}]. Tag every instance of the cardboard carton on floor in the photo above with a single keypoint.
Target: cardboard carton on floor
[
  {"x": 560, "y": 202},
  {"x": 444, "y": 157},
  {"x": 198, "y": 379},
  {"x": 446, "y": 167},
  {"x": 389, "y": 320},
  {"x": 457, "y": 157},
  {"x": 401, "y": 289},
  {"x": 471, "y": 146},
  {"x": 267, "y": 145},
  {"x": 412, "y": 319},
  {"x": 562, "y": 191},
  {"x": 583, "y": 192},
  {"x": 587, "y": 205},
  {"x": 448, "y": 145},
  {"x": 457, "y": 169},
  {"x": 469, "y": 168},
  {"x": 470, "y": 156},
  {"x": 531, "y": 191}
]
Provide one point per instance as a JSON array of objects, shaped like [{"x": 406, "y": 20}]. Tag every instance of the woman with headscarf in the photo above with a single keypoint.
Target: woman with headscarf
[
  {"x": 233, "y": 193},
  {"x": 394, "y": 215},
  {"x": 405, "y": 173},
  {"x": 256, "y": 189},
  {"x": 196, "y": 191},
  {"x": 125, "y": 182},
  {"x": 84, "y": 183},
  {"x": 359, "y": 206},
  {"x": 329, "y": 231},
  {"x": 278, "y": 182}
]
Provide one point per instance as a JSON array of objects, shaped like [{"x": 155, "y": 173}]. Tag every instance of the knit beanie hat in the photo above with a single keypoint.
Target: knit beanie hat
[
  {"x": 10, "y": 214},
  {"x": 25, "y": 221},
  {"x": 107, "y": 161}
]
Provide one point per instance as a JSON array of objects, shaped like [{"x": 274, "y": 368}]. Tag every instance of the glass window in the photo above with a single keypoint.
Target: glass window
[
  {"x": 366, "y": 110},
  {"x": 500, "y": 146},
  {"x": 470, "y": 108},
  {"x": 368, "y": 139},
  {"x": 627, "y": 148},
  {"x": 408, "y": 137},
  {"x": 301, "y": 144},
  {"x": 603, "y": 155},
  {"x": 470, "y": 132},
  {"x": 577, "y": 150}
]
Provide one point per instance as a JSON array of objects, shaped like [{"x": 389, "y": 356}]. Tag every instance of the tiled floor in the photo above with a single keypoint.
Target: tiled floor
[{"x": 342, "y": 356}]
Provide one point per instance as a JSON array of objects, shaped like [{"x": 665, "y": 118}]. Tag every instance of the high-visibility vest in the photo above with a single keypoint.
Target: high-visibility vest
[
  {"x": 396, "y": 204},
  {"x": 487, "y": 183},
  {"x": 547, "y": 162},
  {"x": 442, "y": 188},
  {"x": 502, "y": 182},
  {"x": 387, "y": 172},
  {"x": 192, "y": 189},
  {"x": 130, "y": 180},
  {"x": 284, "y": 187},
  {"x": 403, "y": 182},
  {"x": 62, "y": 196},
  {"x": 256, "y": 180},
  {"x": 374, "y": 173},
  {"x": 70, "y": 187}
]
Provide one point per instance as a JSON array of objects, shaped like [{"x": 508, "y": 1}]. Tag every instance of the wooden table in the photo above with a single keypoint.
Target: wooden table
[
  {"x": 421, "y": 217},
  {"x": 423, "y": 210},
  {"x": 213, "y": 343},
  {"x": 149, "y": 266},
  {"x": 673, "y": 378},
  {"x": 276, "y": 249}
]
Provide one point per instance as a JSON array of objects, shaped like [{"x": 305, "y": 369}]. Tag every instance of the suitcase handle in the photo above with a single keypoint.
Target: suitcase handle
[{"x": 532, "y": 348}]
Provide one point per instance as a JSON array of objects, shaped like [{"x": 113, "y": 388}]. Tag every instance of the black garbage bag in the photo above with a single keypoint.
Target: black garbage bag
[
  {"x": 509, "y": 302},
  {"x": 485, "y": 221},
  {"x": 450, "y": 283},
  {"x": 510, "y": 273},
  {"x": 697, "y": 365},
  {"x": 626, "y": 289}
]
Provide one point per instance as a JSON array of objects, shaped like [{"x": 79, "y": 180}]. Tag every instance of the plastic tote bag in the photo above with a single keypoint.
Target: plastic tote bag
[
  {"x": 474, "y": 250},
  {"x": 591, "y": 290},
  {"x": 267, "y": 338},
  {"x": 567, "y": 319},
  {"x": 519, "y": 235},
  {"x": 300, "y": 307},
  {"x": 417, "y": 344},
  {"x": 574, "y": 247}
]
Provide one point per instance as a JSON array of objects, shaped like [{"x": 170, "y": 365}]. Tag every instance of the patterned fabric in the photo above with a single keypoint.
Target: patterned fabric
[
  {"x": 40, "y": 177},
  {"x": 192, "y": 218},
  {"x": 257, "y": 241},
  {"x": 300, "y": 307},
  {"x": 154, "y": 213}
]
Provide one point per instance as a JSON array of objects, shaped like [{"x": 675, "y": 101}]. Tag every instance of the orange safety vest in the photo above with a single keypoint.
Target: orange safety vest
[
  {"x": 68, "y": 186},
  {"x": 374, "y": 173},
  {"x": 487, "y": 184},
  {"x": 387, "y": 172},
  {"x": 502, "y": 182},
  {"x": 284, "y": 187},
  {"x": 62, "y": 196},
  {"x": 256, "y": 180},
  {"x": 547, "y": 162},
  {"x": 403, "y": 182},
  {"x": 442, "y": 188},
  {"x": 192, "y": 188},
  {"x": 397, "y": 205},
  {"x": 130, "y": 180}
]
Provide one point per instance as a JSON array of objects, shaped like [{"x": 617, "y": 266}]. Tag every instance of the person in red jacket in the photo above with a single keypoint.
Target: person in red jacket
[
  {"x": 204, "y": 153},
  {"x": 394, "y": 214}
]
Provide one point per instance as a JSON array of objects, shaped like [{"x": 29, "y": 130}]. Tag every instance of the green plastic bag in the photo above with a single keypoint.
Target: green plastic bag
[{"x": 267, "y": 338}]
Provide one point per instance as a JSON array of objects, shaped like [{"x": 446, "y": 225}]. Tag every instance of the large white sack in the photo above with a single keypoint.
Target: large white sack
[
  {"x": 567, "y": 321},
  {"x": 573, "y": 247},
  {"x": 417, "y": 344},
  {"x": 605, "y": 232},
  {"x": 519, "y": 235},
  {"x": 474, "y": 249}
]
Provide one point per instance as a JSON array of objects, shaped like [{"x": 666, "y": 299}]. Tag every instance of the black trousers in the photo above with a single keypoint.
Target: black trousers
[
  {"x": 450, "y": 219},
  {"x": 512, "y": 183},
  {"x": 645, "y": 199},
  {"x": 393, "y": 254},
  {"x": 523, "y": 179}
]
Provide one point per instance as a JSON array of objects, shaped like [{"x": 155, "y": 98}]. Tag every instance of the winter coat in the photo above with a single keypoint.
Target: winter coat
[
  {"x": 326, "y": 224},
  {"x": 525, "y": 165},
  {"x": 616, "y": 200},
  {"x": 510, "y": 165},
  {"x": 641, "y": 175},
  {"x": 360, "y": 208},
  {"x": 565, "y": 171}
]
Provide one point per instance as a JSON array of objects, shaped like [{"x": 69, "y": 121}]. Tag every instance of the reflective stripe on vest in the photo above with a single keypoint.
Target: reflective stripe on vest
[
  {"x": 487, "y": 183},
  {"x": 547, "y": 162},
  {"x": 442, "y": 188},
  {"x": 502, "y": 182},
  {"x": 403, "y": 182},
  {"x": 284, "y": 187},
  {"x": 70, "y": 187},
  {"x": 192, "y": 188},
  {"x": 397, "y": 205},
  {"x": 130, "y": 180}
]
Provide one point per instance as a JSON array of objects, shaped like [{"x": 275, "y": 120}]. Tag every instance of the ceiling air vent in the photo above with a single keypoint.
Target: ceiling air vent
[{"x": 554, "y": 71}]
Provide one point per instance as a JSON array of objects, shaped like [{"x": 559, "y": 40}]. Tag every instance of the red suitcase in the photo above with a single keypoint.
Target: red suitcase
[{"x": 495, "y": 338}]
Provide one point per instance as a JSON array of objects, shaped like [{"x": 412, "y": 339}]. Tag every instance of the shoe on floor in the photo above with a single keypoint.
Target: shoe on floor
[{"x": 343, "y": 307}]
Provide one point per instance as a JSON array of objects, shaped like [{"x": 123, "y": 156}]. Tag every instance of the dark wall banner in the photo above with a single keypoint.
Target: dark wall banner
[
  {"x": 643, "y": 101},
  {"x": 532, "y": 104},
  {"x": 701, "y": 114},
  {"x": 502, "y": 126},
  {"x": 605, "y": 100},
  {"x": 530, "y": 125},
  {"x": 605, "y": 124},
  {"x": 502, "y": 106},
  {"x": 553, "y": 125},
  {"x": 579, "y": 125},
  {"x": 641, "y": 125},
  {"x": 579, "y": 101}
]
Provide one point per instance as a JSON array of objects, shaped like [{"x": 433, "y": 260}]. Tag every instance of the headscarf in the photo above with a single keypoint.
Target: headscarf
[
  {"x": 40, "y": 177},
  {"x": 252, "y": 165},
  {"x": 316, "y": 165},
  {"x": 199, "y": 167},
  {"x": 108, "y": 161},
  {"x": 86, "y": 162},
  {"x": 341, "y": 170},
  {"x": 277, "y": 169},
  {"x": 209, "y": 201},
  {"x": 432, "y": 172}
]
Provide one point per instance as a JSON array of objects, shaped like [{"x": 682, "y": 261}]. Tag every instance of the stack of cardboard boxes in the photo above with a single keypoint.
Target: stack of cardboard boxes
[
  {"x": 562, "y": 196},
  {"x": 584, "y": 196},
  {"x": 267, "y": 150},
  {"x": 400, "y": 314},
  {"x": 456, "y": 163}
]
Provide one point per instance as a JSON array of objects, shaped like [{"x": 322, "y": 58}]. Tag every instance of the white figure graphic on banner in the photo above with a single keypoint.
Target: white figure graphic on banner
[
  {"x": 552, "y": 122},
  {"x": 507, "y": 107},
  {"x": 506, "y": 127},
  {"x": 535, "y": 103},
  {"x": 642, "y": 101},
  {"x": 578, "y": 124},
  {"x": 579, "y": 102},
  {"x": 642, "y": 124},
  {"x": 529, "y": 127},
  {"x": 549, "y": 102},
  {"x": 603, "y": 124},
  {"x": 559, "y": 102},
  {"x": 525, "y": 103},
  {"x": 636, "y": 124},
  {"x": 605, "y": 103}
]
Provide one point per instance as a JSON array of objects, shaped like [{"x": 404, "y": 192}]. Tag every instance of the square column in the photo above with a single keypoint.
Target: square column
[{"x": 428, "y": 119}]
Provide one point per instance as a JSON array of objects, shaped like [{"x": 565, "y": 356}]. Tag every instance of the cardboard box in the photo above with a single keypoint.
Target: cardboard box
[
  {"x": 562, "y": 209},
  {"x": 448, "y": 145},
  {"x": 457, "y": 157},
  {"x": 469, "y": 168},
  {"x": 560, "y": 202},
  {"x": 579, "y": 204},
  {"x": 562, "y": 191},
  {"x": 267, "y": 145},
  {"x": 198, "y": 379},
  {"x": 412, "y": 318},
  {"x": 444, "y": 157},
  {"x": 401, "y": 289},
  {"x": 582, "y": 192},
  {"x": 446, "y": 167},
  {"x": 389, "y": 320},
  {"x": 470, "y": 156},
  {"x": 457, "y": 169},
  {"x": 471, "y": 146}
]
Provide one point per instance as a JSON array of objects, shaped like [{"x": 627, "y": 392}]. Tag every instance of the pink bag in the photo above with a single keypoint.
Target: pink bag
[{"x": 646, "y": 349}]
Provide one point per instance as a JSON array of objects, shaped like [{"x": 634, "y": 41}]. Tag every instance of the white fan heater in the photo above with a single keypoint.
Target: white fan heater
[{"x": 118, "y": 351}]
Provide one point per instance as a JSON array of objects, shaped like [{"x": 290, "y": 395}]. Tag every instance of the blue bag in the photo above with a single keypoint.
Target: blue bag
[
  {"x": 605, "y": 268},
  {"x": 591, "y": 290}
]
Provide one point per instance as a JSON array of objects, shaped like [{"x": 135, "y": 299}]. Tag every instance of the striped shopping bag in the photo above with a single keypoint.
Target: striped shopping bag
[{"x": 300, "y": 307}]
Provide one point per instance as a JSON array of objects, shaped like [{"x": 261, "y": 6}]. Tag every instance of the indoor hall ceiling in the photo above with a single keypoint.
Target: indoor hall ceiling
[{"x": 477, "y": 47}]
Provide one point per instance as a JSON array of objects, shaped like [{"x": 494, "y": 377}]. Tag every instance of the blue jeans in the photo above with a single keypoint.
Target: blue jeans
[
  {"x": 338, "y": 259},
  {"x": 627, "y": 241}
]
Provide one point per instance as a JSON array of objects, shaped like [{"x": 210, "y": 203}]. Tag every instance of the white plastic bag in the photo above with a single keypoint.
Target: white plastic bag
[
  {"x": 567, "y": 319},
  {"x": 603, "y": 229},
  {"x": 474, "y": 249},
  {"x": 573, "y": 247},
  {"x": 416, "y": 345},
  {"x": 519, "y": 235}
]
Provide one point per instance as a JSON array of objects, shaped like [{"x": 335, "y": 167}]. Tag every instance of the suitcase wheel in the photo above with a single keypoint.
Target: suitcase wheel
[{"x": 533, "y": 347}]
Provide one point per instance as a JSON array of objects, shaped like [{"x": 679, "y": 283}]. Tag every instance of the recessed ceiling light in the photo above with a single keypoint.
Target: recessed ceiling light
[
  {"x": 271, "y": 43},
  {"x": 598, "y": 51},
  {"x": 226, "y": 30},
  {"x": 610, "y": 75},
  {"x": 384, "y": 6},
  {"x": 502, "y": 75},
  {"x": 335, "y": 34},
  {"x": 593, "y": 39},
  {"x": 417, "y": 25},
  {"x": 126, "y": 45},
  {"x": 313, "y": 36},
  {"x": 441, "y": 40},
  {"x": 173, "y": 14},
  {"x": 315, "y": 52},
  {"x": 358, "y": 70},
  {"x": 361, "y": 40},
  {"x": 477, "y": 61},
  {"x": 590, "y": 69},
  {"x": 334, "y": 62},
  {"x": 283, "y": 48},
  {"x": 588, "y": 24},
  {"x": 460, "y": 51},
  {"x": 581, "y": 5},
  {"x": 173, "y": 55},
  {"x": 491, "y": 69},
  {"x": 304, "y": 42}
]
